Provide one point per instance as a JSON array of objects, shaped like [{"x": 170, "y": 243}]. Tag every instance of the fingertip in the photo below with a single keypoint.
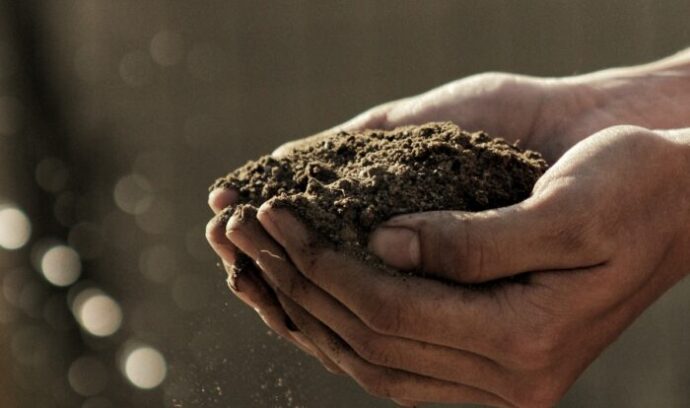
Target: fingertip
[
  {"x": 221, "y": 197},
  {"x": 217, "y": 238},
  {"x": 396, "y": 246},
  {"x": 232, "y": 226},
  {"x": 265, "y": 209},
  {"x": 267, "y": 216},
  {"x": 215, "y": 231}
]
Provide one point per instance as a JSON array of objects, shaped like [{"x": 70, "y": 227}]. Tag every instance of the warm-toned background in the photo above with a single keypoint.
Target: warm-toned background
[{"x": 115, "y": 115}]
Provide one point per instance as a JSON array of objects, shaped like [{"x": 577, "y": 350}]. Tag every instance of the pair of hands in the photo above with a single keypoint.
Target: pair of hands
[{"x": 604, "y": 234}]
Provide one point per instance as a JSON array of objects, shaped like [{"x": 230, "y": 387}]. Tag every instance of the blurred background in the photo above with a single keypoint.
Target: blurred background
[{"x": 115, "y": 116}]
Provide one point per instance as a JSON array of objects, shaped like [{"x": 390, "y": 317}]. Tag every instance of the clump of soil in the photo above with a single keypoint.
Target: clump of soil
[{"x": 346, "y": 184}]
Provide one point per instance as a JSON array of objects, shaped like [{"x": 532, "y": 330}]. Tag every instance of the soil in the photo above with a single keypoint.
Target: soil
[{"x": 344, "y": 185}]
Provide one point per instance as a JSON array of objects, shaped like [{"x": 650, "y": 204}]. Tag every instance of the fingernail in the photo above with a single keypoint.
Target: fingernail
[
  {"x": 396, "y": 246},
  {"x": 265, "y": 217},
  {"x": 221, "y": 197}
]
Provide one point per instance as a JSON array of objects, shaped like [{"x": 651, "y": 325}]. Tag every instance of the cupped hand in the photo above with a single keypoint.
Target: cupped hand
[
  {"x": 248, "y": 283},
  {"x": 548, "y": 115},
  {"x": 474, "y": 102},
  {"x": 604, "y": 234},
  {"x": 515, "y": 107}
]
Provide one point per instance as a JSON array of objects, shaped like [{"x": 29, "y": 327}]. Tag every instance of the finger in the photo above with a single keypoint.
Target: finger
[
  {"x": 245, "y": 284},
  {"x": 314, "y": 351},
  {"x": 440, "y": 362},
  {"x": 268, "y": 307},
  {"x": 215, "y": 235},
  {"x": 538, "y": 234},
  {"x": 221, "y": 198},
  {"x": 380, "y": 381},
  {"x": 254, "y": 292},
  {"x": 401, "y": 306},
  {"x": 434, "y": 361}
]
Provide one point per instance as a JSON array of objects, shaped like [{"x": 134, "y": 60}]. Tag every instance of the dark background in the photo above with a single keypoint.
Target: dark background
[{"x": 138, "y": 105}]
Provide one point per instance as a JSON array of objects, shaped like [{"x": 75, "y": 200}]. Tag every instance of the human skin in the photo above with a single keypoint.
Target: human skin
[{"x": 604, "y": 234}]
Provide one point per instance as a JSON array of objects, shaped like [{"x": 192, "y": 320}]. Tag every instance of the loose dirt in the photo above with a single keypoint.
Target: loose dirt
[{"x": 344, "y": 185}]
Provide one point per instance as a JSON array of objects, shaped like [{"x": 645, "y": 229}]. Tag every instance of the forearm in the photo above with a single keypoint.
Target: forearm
[{"x": 654, "y": 95}]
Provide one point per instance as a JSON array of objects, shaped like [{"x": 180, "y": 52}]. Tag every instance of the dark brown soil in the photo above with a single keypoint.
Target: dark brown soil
[{"x": 345, "y": 185}]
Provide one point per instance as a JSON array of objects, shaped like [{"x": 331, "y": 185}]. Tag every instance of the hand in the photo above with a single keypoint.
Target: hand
[
  {"x": 603, "y": 236},
  {"x": 473, "y": 102},
  {"x": 249, "y": 285},
  {"x": 548, "y": 115}
]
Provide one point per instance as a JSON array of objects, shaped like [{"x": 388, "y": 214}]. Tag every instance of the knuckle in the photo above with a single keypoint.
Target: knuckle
[
  {"x": 372, "y": 349},
  {"x": 452, "y": 247},
  {"x": 314, "y": 262},
  {"x": 475, "y": 252},
  {"x": 383, "y": 316},
  {"x": 376, "y": 383},
  {"x": 214, "y": 231},
  {"x": 291, "y": 286},
  {"x": 536, "y": 343},
  {"x": 469, "y": 250},
  {"x": 630, "y": 132},
  {"x": 583, "y": 233}
]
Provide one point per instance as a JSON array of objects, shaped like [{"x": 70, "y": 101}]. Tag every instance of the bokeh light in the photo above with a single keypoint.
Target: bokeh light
[
  {"x": 12, "y": 283},
  {"x": 156, "y": 166},
  {"x": 158, "y": 263},
  {"x": 157, "y": 218},
  {"x": 136, "y": 68},
  {"x": 87, "y": 376},
  {"x": 32, "y": 298},
  {"x": 15, "y": 228},
  {"x": 61, "y": 265},
  {"x": 145, "y": 367},
  {"x": 133, "y": 194},
  {"x": 167, "y": 48},
  {"x": 51, "y": 174},
  {"x": 97, "y": 313}
]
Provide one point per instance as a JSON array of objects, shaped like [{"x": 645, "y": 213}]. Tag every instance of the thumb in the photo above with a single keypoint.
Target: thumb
[{"x": 478, "y": 247}]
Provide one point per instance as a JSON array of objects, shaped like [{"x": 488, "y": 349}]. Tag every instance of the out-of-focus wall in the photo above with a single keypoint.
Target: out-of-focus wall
[{"x": 149, "y": 101}]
